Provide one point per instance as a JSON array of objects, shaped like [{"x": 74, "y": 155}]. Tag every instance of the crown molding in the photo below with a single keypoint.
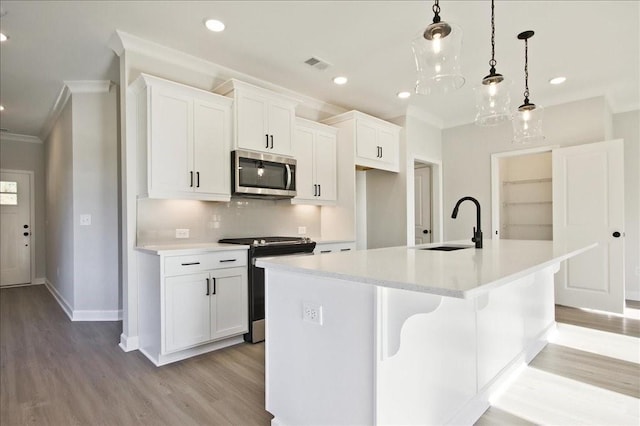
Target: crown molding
[
  {"x": 121, "y": 42},
  {"x": 15, "y": 137},
  {"x": 88, "y": 86}
]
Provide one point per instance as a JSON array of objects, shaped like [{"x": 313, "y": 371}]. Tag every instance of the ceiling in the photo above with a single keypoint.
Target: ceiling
[{"x": 595, "y": 44}]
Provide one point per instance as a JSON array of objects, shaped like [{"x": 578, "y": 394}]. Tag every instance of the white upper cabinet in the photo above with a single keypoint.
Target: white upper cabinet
[
  {"x": 184, "y": 140},
  {"x": 263, "y": 120},
  {"x": 377, "y": 142},
  {"x": 314, "y": 147}
]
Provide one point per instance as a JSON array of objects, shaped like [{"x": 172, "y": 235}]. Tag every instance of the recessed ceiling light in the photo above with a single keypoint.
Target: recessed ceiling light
[
  {"x": 403, "y": 95},
  {"x": 3, "y": 37},
  {"x": 1, "y": 108},
  {"x": 214, "y": 25},
  {"x": 340, "y": 80},
  {"x": 558, "y": 80}
]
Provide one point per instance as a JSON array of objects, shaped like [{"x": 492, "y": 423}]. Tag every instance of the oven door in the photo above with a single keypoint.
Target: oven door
[{"x": 263, "y": 175}]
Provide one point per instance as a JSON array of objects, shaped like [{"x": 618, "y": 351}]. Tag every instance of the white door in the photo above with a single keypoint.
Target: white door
[
  {"x": 211, "y": 150},
  {"x": 588, "y": 206},
  {"x": 229, "y": 308},
  {"x": 251, "y": 122},
  {"x": 281, "y": 124},
  {"x": 15, "y": 228},
  {"x": 303, "y": 152},
  {"x": 367, "y": 141},
  {"x": 422, "y": 188}
]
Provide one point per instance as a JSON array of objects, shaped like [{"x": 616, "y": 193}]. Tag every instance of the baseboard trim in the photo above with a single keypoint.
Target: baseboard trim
[
  {"x": 77, "y": 315},
  {"x": 633, "y": 295},
  {"x": 97, "y": 315},
  {"x": 59, "y": 298},
  {"x": 128, "y": 344},
  {"x": 38, "y": 281}
]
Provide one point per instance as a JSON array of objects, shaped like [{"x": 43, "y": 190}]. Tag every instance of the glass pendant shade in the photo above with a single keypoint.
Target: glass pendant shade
[
  {"x": 437, "y": 57},
  {"x": 493, "y": 103},
  {"x": 527, "y": 124}
]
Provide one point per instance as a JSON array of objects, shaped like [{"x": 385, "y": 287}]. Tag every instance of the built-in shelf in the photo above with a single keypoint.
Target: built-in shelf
[
  {"x": 517, "y": 203},
  {"x": 523, "y": 181}
]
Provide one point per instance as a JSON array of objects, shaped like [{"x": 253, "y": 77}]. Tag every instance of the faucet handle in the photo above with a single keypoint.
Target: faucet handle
[{"x": 473, "y": 239}]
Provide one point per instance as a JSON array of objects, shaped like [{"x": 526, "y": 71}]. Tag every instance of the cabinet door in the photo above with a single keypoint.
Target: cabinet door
[
  {"x": 281, "y": 117},
  {"x": 325, "y": 165},
  {"x": 229, "y": 302},
  {"x": 251, "y": 122},
  {"x": 187, "y": 320},
  {"x": 366, "y": 141},
  {"x": 389, "y": 144},
  {"x": 211, "y": 145},
  {"x": 303, "y": 152},
  {"x": 170, "y": 149}
]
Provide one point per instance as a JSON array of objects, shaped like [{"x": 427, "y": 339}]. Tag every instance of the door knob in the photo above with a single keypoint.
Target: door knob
[
  {"x": 616, "y": 234},
  {"x": 426, "y": 231},
  {"x": 26, "y": 234},
  {"x": 26, "y": 226}
]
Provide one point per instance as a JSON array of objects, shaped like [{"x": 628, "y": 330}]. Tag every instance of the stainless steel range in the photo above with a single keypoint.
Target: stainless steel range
[{"x": 265, "y": 247}]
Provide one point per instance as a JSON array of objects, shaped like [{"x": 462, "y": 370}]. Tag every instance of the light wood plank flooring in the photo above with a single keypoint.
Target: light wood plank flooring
[{"x": 56, "y": 372}]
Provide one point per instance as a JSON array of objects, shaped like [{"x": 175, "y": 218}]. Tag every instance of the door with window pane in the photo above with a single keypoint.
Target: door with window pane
[{"x": 15, "y": 228}]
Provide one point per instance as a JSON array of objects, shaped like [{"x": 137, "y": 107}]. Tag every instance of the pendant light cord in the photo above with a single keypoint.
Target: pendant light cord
[
  {"x": 526, "y": 70},
  {"x": 436, "y": 11},
  {"x": 493, "y": 62}
]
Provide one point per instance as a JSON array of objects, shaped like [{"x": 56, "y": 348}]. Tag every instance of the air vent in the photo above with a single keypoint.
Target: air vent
[{"x": 317, "y": 63}]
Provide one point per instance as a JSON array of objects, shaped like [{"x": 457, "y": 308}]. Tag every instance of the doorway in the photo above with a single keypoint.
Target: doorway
[
  {"x": 422, "y": 202},
  {"x": 16, "y": 220}
]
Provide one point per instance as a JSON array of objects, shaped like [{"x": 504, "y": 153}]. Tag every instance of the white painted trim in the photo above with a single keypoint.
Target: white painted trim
[
  {"x": 89, "y": 86},
  {"x": 164, "y": 359},
  {"x": 32, "y": 216},
  {"x": 437, "y": 201},
  {"x": 110, "y": 315},
  {"x": 59, "y": 298},
  {"x": 56, "y": 110},
  {"x": 632, "y": 295},
  {"x": 128, "y": 344},
  {"x": 15, "y": 137},
  {"x": 38, "y": 281},
  {"x": 495, "y": 181}
]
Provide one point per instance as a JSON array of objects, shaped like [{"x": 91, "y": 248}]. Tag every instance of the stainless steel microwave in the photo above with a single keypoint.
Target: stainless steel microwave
[{"x": 256, "y": 174}]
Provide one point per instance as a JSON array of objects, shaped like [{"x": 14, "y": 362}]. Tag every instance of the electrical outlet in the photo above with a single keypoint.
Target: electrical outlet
[
  {"x": 182, "y": 233},
  {"x": 302, "y": 230},
  {"x": 85, "y": 219},
  {"x": 312, "y": 312}
]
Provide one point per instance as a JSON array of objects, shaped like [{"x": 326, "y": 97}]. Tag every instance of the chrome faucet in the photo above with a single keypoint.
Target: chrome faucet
[{"x": 477, "y": 233}]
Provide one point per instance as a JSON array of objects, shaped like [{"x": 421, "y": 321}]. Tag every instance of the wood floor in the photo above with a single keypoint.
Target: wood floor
[{"x": 57, "y": 372}]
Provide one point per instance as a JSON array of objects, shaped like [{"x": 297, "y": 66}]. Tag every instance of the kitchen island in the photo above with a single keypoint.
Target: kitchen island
[{"x": 404, "y": 335}]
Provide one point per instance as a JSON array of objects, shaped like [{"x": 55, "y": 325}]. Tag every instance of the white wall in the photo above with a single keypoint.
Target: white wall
[
  {"x": 20, "y": 155},
  {"x": 95, "y": 192},
  {"x": 627, "y": 127},
  {"x": 59, "y": 206},
  {"x": 81, "y": 178}
]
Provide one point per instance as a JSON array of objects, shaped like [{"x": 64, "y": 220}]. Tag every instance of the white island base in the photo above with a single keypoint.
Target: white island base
[{"x": 386, "y": 356}]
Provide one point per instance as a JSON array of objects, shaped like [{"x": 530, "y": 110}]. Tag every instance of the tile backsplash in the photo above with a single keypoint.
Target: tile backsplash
[{"x": 211, "y": 221}]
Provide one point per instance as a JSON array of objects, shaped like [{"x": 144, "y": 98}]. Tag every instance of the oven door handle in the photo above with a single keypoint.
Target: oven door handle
[{"x": 288, "y": 176}]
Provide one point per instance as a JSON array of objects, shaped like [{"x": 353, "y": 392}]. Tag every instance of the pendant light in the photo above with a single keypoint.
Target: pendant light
[
  {"x": 437, "y": 56},
  {"x": 527, "y": 120},
  {"x": 492, "y": 97}
]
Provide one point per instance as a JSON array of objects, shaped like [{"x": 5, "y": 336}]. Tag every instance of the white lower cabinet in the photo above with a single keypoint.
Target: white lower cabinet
[
  {"x": 334, "y": 247},
  {"x": 191, "y": 304}
]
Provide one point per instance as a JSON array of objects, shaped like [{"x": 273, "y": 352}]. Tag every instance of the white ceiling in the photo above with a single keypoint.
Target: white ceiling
[{"x": 596, "y": 44}]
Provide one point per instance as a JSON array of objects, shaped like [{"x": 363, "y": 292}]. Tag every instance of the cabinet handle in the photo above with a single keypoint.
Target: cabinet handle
[
  {"x": 315, "y": 190},
  {"x": 208, "y": 288},
  {"x": 381, "y": 153},
  {"x": 271, "y": 141},
  {"x": 197, "y": 179},
  {"x": 191, "y": 179},
  {"x": 214, "y": 286},
  {"x": 345, "y": 249},
  {"x": 325, "y": 251},
  {"x": 228, "y": 260},
  {"x": 267, "y": 137},
  {"x": 190, "y": 263},
  {"x": 319, "y": 190}
]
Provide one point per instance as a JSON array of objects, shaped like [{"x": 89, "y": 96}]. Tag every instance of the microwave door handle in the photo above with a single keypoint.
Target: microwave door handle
[{"x": 288, "y": 176}]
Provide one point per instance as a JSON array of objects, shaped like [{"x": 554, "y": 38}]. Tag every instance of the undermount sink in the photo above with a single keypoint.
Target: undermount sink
[{"x": 446, "y": 248}]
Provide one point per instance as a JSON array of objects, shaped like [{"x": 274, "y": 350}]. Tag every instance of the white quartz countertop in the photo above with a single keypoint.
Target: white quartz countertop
[
  {"x": 462, "y": 273},
  {"x": 179, "y": 249}
]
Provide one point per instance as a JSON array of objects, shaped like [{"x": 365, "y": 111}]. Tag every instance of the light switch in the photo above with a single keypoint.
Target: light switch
[{"x": 85, "y": 219}]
